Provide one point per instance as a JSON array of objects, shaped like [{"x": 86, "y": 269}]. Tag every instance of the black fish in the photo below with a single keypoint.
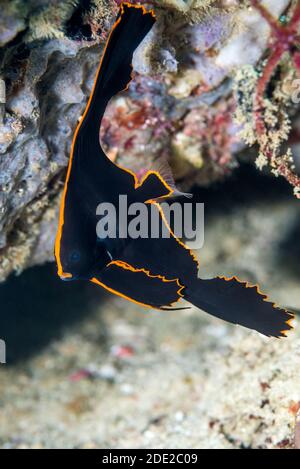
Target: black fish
[{"x": 151, "y": 272}]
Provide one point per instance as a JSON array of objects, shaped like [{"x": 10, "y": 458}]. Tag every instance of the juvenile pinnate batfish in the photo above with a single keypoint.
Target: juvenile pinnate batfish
[{"x": 155, "y": 273}]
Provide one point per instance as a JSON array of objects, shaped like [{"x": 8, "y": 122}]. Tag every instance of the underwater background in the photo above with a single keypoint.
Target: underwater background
[{"x": 85, "y": 369}]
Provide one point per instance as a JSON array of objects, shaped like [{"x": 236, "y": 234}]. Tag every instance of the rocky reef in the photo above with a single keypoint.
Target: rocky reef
[{"x": 203, "y": 91}]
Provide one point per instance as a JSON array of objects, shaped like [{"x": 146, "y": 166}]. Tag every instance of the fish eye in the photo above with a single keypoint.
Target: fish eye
[{"x": 75, "y": 256}]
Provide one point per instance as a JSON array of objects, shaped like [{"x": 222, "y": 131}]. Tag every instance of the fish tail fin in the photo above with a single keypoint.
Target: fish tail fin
[
  {"x": 130, "y": 28},
  {"x": 239, "y": 303}
]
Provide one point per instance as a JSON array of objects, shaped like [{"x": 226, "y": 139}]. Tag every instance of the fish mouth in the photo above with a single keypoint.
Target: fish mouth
[{"x": 66, "y": 277}]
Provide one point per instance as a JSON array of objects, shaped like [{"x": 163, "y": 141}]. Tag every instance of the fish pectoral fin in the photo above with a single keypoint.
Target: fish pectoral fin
[
  {"x": 138, "y": 285},
  {"x": 153, "y": 186}
]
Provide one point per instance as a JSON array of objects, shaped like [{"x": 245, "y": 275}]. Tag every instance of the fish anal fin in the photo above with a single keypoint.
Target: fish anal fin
[{"x": 138, "y": 285}]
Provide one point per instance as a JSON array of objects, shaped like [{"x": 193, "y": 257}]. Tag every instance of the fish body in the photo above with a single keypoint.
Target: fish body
[
  {"x": 91, "y": 177},
  {"x": 151, "y": 272}
]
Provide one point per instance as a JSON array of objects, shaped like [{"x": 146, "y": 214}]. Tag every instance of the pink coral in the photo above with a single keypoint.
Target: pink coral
[{"x": 284, "y": 38}]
